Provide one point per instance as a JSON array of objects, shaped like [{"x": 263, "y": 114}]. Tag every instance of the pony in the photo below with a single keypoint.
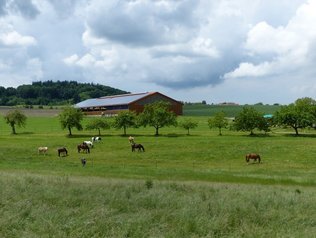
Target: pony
[
  {"x": 140, "y": 147},
  {"x": 83, "y": 147},
  {"x": 253, "y": 156},
  {"x": 42, "y": 150},
  {"x": 96, "y": 139},
  {"x": 62, "y": 151},
  {"x": 131, "y": 140},
  {"x": 88, "y": 143}
]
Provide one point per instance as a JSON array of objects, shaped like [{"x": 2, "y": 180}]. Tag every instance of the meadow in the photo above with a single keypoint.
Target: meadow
[{"x": 196, "y": 185}]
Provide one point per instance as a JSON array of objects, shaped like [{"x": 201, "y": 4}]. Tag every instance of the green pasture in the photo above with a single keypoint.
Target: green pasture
[
  {"x": 230, "y": 110},
  {"x": 196, "y": 185},
  {"x": 201, "y": 156}
]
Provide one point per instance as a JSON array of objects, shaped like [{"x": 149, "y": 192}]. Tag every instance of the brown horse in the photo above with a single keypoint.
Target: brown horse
[
  {"x": 62, "y": 151},
  {"x": 140, "y": 147},
  {"x": 253, "y": 156},
  {"x": 83, "y": 147}
]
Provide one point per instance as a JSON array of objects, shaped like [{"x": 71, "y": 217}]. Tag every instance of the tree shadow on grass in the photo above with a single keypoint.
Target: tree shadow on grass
[
  {"x": 300, "y": 135},
  {"x": 258, "y": 135},
  {"x": 23, "y": 133}
]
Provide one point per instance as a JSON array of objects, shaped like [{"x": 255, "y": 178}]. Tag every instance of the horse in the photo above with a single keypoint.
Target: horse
[
  {"x": 88, "y": 143},
  {"x": 253, "y": 156},
  {"x": 62, "y": 151},
  {"x": 96, "y": 139},
  {"x": 42, "y": 150},
  {"x": 131, "y": 140},
  {"x": 83, "y": 147},
  {"x": 140, "y": 147}
]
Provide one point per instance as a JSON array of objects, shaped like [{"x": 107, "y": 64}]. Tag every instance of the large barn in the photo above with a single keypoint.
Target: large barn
[{"x": 112, "y": 105}]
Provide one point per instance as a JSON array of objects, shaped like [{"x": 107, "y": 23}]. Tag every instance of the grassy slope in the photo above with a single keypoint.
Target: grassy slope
[
  {"x": 44, "y": 196},
  {"x": 63, "y": 206},
  {"x": 230, "y": 111},
  {"x": 201, "y": 156}
]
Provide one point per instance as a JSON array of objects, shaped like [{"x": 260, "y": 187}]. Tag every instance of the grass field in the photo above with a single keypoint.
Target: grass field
[
  {"x": 181, "y": 186},
  {"x": 230, "y": 110}
]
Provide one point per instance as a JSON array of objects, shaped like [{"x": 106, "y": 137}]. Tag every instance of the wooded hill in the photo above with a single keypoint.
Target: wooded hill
[{"x": 54, "y": 93}]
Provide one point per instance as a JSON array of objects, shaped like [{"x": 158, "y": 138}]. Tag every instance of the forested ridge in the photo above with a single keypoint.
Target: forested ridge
[{"x": 54, "y": 93}]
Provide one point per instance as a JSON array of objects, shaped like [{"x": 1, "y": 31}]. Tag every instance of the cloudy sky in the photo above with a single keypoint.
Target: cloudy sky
[{"x": 243, "y": 51}]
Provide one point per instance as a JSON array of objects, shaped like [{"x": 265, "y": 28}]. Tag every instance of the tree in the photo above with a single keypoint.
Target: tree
[
  {"x": 218, "y": 121},
  {"x": 98, "y": 124},
  {"x": 297, "y": 115},
  {"x": 157, "y": 115},
  {"x": 71, "y": 117},
  {"x": 125, "y": 119},
  {"x": 249, "y": 119},
  {"x": 188, "y": 124},
  {"x": 15, "y": 118}
]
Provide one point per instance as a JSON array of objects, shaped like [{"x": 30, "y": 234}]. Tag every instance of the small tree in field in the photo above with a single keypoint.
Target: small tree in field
[
  {"x": 298, "y": 115},
  {"x": 15, "y": 118},
  {"x": 219, "y": 121},
  {"x": 157, "y": 115},
  {"x": 188, "y": 124},
  {"x": 71, "y": 117},
  {"x": 249, "y": 119},
  {"x": 125, "y": 120},
  {"x": 98, "y": 124}
]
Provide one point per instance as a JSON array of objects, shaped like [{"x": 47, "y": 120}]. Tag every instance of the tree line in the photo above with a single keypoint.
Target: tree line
[
  {"x": 298, "y": 115},
  {"x": 54, "y": 93}
]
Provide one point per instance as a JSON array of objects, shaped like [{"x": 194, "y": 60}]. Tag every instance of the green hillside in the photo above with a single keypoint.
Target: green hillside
[
  {"x": 54, "y": 93},
  {"x": 199, "y": 109}
]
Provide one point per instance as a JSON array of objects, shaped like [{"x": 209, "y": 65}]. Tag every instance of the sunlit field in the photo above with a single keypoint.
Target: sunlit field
[{"x": 181, "y": 186}]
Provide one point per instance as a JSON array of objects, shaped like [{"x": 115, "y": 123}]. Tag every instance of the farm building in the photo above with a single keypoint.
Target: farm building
[{"x": 112, "y": 105}]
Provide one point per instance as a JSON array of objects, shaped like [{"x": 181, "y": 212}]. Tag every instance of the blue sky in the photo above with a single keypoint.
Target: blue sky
[{"x": 243, "y": 51}]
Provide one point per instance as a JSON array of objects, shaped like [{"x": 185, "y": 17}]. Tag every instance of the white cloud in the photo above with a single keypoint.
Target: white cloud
[{"x": 15, "y": 39}]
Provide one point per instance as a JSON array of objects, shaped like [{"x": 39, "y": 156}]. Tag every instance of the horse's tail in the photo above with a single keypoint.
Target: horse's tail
[
  {"x": 142, "y": 147},
  {"x": 259, "y": 159},
  {"x": 247, "y": 158},
  {"x": 78, "y": 147}
]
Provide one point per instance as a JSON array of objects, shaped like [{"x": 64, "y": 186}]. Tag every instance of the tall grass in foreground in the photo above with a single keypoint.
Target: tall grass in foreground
[{"x": 62, "y": 206}]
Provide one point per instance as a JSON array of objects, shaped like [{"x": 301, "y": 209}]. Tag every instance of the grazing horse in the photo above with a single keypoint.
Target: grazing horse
[
  {"x": 253, "y": 156},
  {"x": 131, "y": 140},
  {"x": 42, "y": 150},
  {"x": 62, "y": 151},
  {"x": 88, "y": 143},
  {"x": 96, "y": 139},
  {"x": 140, "y": 147},
  {"x": 83, "y": 147}
]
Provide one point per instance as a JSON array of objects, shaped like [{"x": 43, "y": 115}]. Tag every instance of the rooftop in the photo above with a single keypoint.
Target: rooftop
[{"x": 122, "y": 99}]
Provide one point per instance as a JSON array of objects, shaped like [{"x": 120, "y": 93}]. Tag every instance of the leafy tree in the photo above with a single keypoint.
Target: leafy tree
[
  {"x": 125, "y": 119},
  {"x": 219, "y": 121},
  {"x": 71, "y": 117},
  {"x": 298, "y": 115},
  {"x": 98, "y": 124},
  {"x": 15, "y": 118},
  {"x": 249, "y": 119},
  {"x": 157, "y": 115},
  {"x": 188, "y": 124}
]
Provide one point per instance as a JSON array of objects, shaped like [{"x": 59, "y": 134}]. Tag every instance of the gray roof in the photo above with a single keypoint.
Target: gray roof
[{"x": 123, "y": 99}]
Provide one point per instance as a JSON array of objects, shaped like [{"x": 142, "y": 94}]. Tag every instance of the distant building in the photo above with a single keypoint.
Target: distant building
[
  {"x": 228, "y": 104},
  {"x": 112, "y": 105}
]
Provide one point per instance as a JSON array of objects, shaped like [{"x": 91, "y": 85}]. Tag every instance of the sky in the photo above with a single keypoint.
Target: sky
[{"x": 242, "y": 51}]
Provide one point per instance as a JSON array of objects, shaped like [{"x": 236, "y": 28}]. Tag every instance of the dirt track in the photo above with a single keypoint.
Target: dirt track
[{"x": 32, "y": 112}]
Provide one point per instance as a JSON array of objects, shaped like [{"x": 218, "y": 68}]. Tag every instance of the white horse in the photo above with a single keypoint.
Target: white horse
[
  {"x": 88, "y": 143},
  {"x": 42, "y": 150},
  {"x": 96, "y": 139}
]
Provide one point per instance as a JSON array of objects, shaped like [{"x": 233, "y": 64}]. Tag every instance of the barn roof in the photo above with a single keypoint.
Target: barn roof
[{"x": 122, "y": 99}]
